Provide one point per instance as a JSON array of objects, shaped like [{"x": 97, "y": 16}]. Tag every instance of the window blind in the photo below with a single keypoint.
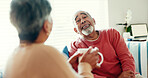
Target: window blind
[
  {"x": 62, "y": 33},
  {"x": 62, "y": 14}
]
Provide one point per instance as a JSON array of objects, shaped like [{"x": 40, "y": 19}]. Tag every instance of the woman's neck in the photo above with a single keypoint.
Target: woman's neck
[{"x": 24, "y": 43}]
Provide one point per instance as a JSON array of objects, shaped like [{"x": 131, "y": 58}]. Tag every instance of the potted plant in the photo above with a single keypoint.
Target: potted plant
[{"x": 127, "y": 26}]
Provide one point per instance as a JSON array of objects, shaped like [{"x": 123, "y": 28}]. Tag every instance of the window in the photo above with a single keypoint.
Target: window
[
  {"x": 63, "y": 12},
  {"x": 8, "y": 34},
  {"x": 62, "y": 33}
]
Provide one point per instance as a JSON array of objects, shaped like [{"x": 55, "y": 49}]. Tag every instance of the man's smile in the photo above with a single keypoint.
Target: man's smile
[{"x": 85, "y": 26}]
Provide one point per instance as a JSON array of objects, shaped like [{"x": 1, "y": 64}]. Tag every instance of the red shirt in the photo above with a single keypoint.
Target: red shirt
[{"x": 117, "y": 57}]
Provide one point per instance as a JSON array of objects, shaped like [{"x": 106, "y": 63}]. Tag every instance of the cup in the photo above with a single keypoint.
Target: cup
[{"x": 84, "y": 50}]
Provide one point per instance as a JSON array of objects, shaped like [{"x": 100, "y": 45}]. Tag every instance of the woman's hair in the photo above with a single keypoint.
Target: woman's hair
[{"x": 28, "y": 17}]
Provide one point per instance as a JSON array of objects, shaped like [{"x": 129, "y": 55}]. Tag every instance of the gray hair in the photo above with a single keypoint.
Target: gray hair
[{"x": 28, "y": 17}]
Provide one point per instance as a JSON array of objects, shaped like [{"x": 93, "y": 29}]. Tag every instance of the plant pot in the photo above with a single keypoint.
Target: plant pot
[{"x": 126, "y": 35}]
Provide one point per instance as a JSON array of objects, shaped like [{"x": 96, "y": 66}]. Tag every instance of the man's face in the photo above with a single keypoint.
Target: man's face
[{"x": 84, "y": 23}]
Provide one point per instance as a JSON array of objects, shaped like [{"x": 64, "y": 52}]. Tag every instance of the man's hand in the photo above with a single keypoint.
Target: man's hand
[
  {"x": 91, "y": 57},
  {"x": 127, "y": 74}
]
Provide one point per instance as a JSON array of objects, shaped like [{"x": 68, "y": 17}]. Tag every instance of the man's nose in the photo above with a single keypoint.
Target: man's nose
[{"x": 82, "y": 21}]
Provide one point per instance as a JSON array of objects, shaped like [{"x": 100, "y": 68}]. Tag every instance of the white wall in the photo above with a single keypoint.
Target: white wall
[{"x": 118, "y": 9}]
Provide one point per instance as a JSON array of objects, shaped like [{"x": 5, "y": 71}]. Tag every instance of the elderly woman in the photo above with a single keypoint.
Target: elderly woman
[{"x": 33, "y": 59}]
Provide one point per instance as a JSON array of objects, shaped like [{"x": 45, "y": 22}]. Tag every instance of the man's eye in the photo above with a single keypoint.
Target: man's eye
[
  {"x": 78, "y": 21},
  {"x": 84, "y": 17}
]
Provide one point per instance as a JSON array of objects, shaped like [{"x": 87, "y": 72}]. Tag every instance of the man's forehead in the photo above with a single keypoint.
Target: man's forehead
[{"x": 80, "y": 13}]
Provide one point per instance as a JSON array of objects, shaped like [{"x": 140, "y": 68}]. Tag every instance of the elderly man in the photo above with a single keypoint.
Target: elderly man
[
  {"x": 118, "y": 61},
  {"x": 33, "y": 59}
]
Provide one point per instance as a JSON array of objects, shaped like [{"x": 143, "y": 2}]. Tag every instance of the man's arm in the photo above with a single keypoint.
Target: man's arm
[{"x": 125, "y": 57}]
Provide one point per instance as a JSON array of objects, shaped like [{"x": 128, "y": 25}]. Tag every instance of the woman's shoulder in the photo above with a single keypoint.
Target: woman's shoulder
[
  {"x": 46, "y": 48},
  {"x": 52, "y": 52},
  {"x": 42, "y": 47}
]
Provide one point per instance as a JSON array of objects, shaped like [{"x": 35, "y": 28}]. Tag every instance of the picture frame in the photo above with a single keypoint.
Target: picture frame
[{"x": 139, "y": 30}]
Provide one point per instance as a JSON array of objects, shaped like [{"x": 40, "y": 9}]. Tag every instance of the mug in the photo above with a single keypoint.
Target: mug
[{"x": 83, "y": 50}]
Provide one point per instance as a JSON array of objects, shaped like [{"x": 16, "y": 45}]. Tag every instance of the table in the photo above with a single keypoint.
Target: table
[{"x": 139, "y": 51}]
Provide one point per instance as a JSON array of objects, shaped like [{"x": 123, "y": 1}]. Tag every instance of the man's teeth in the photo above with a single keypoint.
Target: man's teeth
[{"x": 85, "y": 26}]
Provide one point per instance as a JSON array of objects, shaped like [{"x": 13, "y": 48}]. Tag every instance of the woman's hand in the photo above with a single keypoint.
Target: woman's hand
[{"x": 73, "y": 60}]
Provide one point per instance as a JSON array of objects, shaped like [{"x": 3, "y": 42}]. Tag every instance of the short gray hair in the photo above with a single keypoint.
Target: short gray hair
[{"x": 28, "y": 17}]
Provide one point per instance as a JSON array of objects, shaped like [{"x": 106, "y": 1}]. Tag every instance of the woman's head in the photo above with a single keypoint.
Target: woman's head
[{"x": 28, "y": 16}]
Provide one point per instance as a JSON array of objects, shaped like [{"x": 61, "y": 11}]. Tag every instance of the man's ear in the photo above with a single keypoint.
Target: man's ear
[
  {"x": 75, "y": 29},
  {"x": 94, "y": 21},
  {"x": 47, "y": 27}
]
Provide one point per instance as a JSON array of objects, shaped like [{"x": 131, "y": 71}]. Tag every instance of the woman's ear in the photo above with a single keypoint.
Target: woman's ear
[{"x": 47, "y": 27}]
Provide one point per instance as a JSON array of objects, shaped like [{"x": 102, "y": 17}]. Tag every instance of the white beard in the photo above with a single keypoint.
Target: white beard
[{"x": 87, "y": 31}]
